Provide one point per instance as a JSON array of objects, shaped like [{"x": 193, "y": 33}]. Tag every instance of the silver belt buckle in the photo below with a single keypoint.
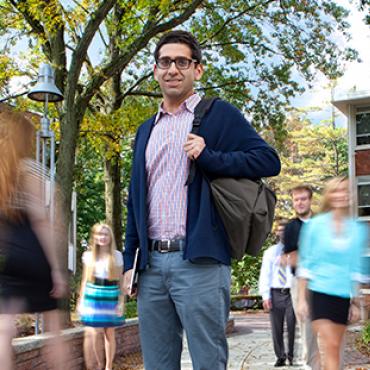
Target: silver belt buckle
[{"x": 164, "y": 250}]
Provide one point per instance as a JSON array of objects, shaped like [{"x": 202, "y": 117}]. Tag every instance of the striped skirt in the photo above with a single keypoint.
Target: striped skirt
[{"x": 99, "y": 306}]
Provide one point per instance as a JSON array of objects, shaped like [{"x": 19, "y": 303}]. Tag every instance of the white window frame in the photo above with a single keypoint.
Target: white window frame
[
  {"x": 361, "y": 180},
  {"x": 355, "y": 112}
]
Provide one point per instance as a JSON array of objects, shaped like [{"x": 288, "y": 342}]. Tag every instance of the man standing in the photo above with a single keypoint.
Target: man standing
[
  {"x": 184, "y": 280},
  {"x": 302, "y": 199},
  {"x": 274, "y": 287}
]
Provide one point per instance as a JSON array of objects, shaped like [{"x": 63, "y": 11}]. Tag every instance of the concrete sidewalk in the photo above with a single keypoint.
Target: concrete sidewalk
[
  {"x": 250, "y": 344},
  {"x": 250, "y": 347}
]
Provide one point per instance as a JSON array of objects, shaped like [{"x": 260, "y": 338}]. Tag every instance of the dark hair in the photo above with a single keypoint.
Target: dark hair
[
  {"x": 282, "y": 221},
  {"x": 180, "y": 37},
  {"x": 302, "y": 187}
]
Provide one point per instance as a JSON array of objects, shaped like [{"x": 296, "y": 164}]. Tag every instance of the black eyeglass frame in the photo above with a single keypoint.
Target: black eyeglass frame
[{"x": 175, "y": 60}]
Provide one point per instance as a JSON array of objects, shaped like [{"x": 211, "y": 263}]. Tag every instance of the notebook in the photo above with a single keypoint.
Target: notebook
[{"x": 135, "y": 274}]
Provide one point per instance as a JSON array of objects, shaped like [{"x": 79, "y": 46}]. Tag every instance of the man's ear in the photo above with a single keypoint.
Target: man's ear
[{"x": 198, "y": 71}]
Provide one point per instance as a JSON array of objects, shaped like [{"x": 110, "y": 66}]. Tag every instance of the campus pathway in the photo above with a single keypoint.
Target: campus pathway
[
  {"x": 250, "y": 344},
  {"x": 250, "y": 347}
]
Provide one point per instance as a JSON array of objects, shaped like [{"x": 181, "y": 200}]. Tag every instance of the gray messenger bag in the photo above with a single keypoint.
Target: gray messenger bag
[{"x": 246, "y": 207}]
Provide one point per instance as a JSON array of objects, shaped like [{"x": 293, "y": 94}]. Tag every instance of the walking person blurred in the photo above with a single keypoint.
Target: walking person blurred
[
  {"x": 331, "y": 246},
  {"x": 301, "y": 199},
  {"x": 101, "y": 300},
  {"x": 274, "y": 287},
  {"x": 30, "y": 276}
]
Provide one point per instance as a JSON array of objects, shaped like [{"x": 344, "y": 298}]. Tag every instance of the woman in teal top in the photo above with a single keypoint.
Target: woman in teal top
[{"x": 330, "y": 250}]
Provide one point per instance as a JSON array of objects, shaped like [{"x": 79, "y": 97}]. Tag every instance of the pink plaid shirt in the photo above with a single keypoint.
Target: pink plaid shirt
[{"x": 167, "y": 168}]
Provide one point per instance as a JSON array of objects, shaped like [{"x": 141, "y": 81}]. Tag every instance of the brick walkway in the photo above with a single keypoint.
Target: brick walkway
[
  {"x": 250, "y": 347},
  {"x": 133, "y": 361},
  {"x": 353, "y": 358}
]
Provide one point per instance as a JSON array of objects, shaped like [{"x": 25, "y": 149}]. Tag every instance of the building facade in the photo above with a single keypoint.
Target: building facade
[{"x": 355, "y": 105}]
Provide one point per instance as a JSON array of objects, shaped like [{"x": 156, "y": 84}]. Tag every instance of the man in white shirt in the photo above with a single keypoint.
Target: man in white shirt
[{"x": 274, "y": 287}]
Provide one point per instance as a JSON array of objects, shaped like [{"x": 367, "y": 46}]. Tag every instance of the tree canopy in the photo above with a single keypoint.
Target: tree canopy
[
  {"x": 365, "y": 7},
  {"x": 254, "y": 52}
]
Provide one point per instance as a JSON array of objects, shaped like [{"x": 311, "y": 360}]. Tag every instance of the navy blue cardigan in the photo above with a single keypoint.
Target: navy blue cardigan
[{"x": 233, "y": 149}]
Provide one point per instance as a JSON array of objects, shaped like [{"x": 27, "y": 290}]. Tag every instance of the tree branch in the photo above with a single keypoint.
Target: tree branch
[
  {"x": 231, "y": 19},
  {"x": 116, "y": 35},
  {"x": 6, "y": 9},
  {"x": 124, "y": 59},
  {"x": 231, "y": 83},
  {"x": 54, "y": 47},
  {"x": 88, "y": 13},
  {"x": 145, "y": 93},
  {"x": 79, "y": 55},
  {"x": 209, "y": 46},
  {"x": 35, "y": 25},
  {"x": 134, "y": 86},
  {"x": 58, "y": 56}
]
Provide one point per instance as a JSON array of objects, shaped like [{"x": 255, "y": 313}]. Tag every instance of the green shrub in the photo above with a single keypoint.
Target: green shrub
[
  {"x": 366, "y": 333},
  {"x": 131, "y": 309}
]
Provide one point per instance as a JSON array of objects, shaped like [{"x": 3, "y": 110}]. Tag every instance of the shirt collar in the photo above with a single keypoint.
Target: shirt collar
[{"x": 189, "y": 104}]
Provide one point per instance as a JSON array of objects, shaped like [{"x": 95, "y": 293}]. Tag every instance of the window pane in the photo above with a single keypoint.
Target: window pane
[
  {"x": 364, "y": 195},
  {"x": 362, "y": 123},
  {"x": 363, "y": 140},
  {"x": 364, "y": 212}
]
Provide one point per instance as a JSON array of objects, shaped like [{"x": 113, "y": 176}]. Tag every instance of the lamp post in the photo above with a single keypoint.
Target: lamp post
[{"x": 46, "y": 91}]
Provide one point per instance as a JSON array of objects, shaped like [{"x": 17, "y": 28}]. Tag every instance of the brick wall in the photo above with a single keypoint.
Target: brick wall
[
  {"x": 362, "y": 162},
  {"x": 30, "y": 352}
]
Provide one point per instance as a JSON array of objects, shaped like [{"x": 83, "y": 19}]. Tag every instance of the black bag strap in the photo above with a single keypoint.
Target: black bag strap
[{"x": 199, "y": 112}]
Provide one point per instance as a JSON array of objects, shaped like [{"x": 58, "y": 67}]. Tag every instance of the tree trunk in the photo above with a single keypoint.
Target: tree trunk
[
  {"x": 113, "y": 201},
  {"x": 64, "y": 175}
]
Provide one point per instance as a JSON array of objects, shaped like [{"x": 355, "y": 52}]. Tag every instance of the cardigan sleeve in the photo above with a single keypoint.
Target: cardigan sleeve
[
  {"x": 132, "y": 236},
  {"x": 254, "y": 163},
  {"x": 236, "y": 149}
]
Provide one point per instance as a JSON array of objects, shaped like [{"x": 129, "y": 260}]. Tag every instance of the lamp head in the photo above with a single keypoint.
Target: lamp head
[{"x": 45, "y": 86}]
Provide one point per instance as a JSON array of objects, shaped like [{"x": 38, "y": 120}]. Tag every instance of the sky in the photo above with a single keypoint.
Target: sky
[{"x": 356, "y": 76}]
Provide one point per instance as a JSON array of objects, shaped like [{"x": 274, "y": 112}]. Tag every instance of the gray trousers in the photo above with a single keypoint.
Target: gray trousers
[
  {"x": 176, "y": 296},
  {"x": 310, "y": 349},
  {"x": 282, "y": 309}
]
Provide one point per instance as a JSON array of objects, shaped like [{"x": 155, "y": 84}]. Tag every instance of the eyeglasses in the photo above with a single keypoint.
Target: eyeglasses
[{"x": 180, "y": 62}]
